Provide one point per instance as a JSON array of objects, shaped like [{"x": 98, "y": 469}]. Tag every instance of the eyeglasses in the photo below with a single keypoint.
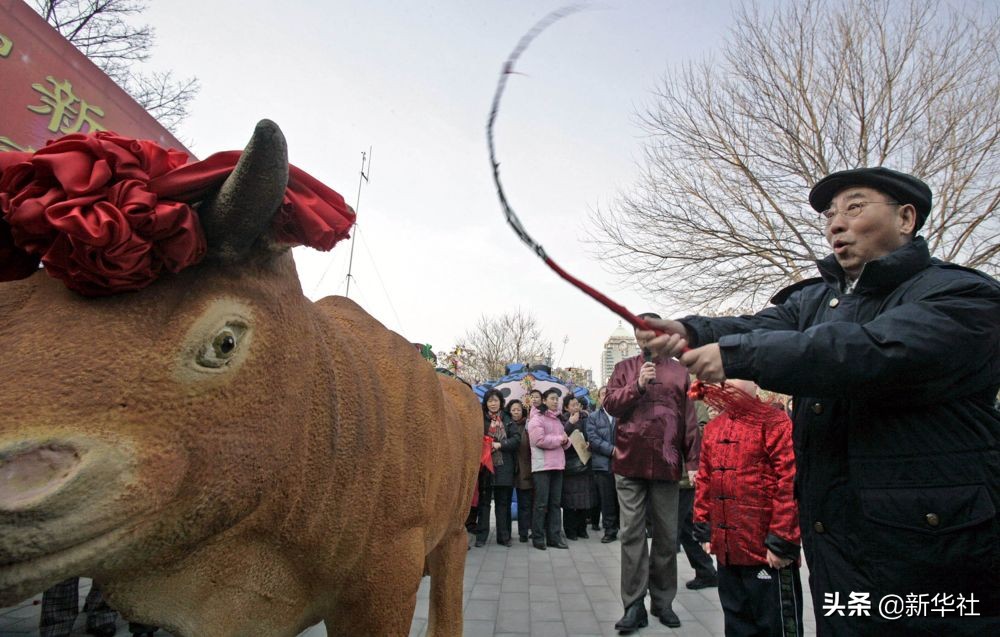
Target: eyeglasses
[{"x": 853, "y": 209}]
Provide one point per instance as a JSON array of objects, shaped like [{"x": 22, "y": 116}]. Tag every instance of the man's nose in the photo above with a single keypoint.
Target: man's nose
[{"x": 836, "y": 225}]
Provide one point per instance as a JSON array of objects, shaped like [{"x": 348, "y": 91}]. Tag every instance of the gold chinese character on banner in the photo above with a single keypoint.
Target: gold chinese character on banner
[
  {"x": 6, "y": 44},
  {"x": 70, "y": 114},
  {"x": 7, "y": 144}
]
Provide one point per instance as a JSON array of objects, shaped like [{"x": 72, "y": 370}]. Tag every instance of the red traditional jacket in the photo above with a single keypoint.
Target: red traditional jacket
[{"x": 744, "y": 498}]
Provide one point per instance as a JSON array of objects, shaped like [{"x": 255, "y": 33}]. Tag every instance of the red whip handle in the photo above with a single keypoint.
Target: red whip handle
[{"x": 618, "y": 309}]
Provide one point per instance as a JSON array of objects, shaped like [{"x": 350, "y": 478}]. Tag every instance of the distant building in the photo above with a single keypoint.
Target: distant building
[{"x": 619, "y": 346}]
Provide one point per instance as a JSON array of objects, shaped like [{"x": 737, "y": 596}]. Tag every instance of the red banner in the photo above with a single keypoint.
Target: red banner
[{"x": 49, "y": 89}]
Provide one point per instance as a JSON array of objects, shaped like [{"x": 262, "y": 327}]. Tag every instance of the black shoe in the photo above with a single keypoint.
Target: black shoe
[
  {"x": 669, "y": 618},
  {"x": 595, "y": 527},
  {"x": 609, "y": 537},
  {"x": 539, "y": 545},
  {"x": 703, "y": 581},
  {"x": 523, "y": 538},
  {"x": 583, "y": 535},
  {"x": 558, "y": 545},
  {"x": 480, "y": 544},
  {"x": 570, "y": 536},
  {"x": 103, "y": 631},
  {"x": 505, "y": 543},
  {"x": 635, "y": 617}
]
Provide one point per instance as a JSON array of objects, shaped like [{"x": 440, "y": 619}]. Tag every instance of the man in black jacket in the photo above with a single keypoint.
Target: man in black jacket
[{"x": 891, "y": 356}]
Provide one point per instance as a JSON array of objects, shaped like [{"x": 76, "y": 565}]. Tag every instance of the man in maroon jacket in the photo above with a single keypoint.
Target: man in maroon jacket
[
  {"x": 654, "y": 444},
  {"x": 745, "y": 513}
]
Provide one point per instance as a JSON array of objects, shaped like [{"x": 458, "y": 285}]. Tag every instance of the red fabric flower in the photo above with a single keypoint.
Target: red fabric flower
[
  {"x": 82, "y": 205},
  {"x": 105, "y": 213},
  {"x": 311, "y": 214}
]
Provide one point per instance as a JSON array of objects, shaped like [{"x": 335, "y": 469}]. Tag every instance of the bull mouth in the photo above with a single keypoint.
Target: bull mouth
[{"x": 24, "y": 578}]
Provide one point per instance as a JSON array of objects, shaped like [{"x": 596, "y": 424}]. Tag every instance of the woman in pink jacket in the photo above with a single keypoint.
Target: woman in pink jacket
[{"x": 548, "y": 440}]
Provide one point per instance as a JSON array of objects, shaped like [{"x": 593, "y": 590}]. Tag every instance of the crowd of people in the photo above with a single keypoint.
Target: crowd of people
[
  {"x": 639, "y": 443},
  {"x": 886, "y": 473},
  {"x": 557, "y": 490}
]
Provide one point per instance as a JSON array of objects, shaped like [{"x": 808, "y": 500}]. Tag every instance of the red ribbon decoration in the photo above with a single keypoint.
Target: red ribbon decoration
[
  {"x": 106, "y": 213},
  {"x": 486, "y": 458}
]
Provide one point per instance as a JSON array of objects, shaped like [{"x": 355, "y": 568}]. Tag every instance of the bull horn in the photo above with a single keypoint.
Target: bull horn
[{"x": 241, "y": 212}]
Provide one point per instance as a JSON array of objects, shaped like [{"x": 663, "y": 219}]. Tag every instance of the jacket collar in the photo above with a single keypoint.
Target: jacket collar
[{"x": 884, "y": 273}]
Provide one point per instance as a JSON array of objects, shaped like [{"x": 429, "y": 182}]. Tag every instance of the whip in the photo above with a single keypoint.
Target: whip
[{"x": 723, "y": 397}]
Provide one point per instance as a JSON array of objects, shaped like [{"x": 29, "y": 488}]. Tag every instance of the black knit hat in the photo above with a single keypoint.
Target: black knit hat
[{"x": 900, "y": 186}]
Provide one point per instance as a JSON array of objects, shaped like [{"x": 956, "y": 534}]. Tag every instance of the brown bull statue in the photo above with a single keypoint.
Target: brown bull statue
[{"x": 225, "y": 457}]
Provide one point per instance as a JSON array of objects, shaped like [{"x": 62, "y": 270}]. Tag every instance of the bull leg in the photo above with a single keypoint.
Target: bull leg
[
  {"x": 447, "y": 569},
  {"x": 384, "y": 595}
]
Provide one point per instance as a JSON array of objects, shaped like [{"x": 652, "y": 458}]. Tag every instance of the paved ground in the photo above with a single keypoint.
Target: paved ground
[{"x": 517, "y": 591}]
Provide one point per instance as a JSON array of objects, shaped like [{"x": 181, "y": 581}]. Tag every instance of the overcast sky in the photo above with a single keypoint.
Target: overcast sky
[{"x": 414, "y": 80}]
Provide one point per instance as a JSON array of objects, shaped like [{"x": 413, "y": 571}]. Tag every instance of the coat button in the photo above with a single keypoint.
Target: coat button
[
  {"x": 817, "y": 408},
  {"x": 834, "y": 302},
  {"x": 932, "y": 519},
  {"x": 819, "y": 527}
]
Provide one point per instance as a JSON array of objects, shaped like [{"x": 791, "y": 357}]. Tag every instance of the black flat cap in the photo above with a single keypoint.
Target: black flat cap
[{"x": 900, "y": 186}]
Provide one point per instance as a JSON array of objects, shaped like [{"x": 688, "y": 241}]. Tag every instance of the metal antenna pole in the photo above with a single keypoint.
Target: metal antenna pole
[
  {"x": 565, "y": 340},
  {"x": 362, "y": 179}
]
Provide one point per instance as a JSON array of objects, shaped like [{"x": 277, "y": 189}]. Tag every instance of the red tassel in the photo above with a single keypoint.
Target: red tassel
[{"x": 739, "y": 404}]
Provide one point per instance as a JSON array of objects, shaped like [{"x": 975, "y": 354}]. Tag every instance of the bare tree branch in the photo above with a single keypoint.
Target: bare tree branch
[
  {"x": 497, "y": 341},
  {"x": 102, "y": 30},
  {"x": 719, "y": 212}
]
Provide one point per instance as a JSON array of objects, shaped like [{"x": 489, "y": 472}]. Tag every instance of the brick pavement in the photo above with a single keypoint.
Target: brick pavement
[{"x": 518, "y": 591}]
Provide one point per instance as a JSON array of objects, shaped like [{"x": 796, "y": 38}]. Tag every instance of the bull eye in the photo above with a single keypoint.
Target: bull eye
[
  {"x": 224, "y": 344},
  {"x": 222, "y": 347}
]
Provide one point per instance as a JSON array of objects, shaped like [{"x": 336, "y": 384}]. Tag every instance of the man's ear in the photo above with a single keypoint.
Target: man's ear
[{"x": 907, "y": 219}]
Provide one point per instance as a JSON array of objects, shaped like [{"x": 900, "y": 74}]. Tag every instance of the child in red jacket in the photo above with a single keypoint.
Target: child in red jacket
[{"x": 745, "y": 514}]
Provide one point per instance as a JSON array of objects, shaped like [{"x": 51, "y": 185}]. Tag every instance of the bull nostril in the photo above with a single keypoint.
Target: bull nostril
[{"x": 27, "y": 475}]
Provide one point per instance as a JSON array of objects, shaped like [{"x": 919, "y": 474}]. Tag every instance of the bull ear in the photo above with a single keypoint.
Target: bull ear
[{"x": 239, "y": 217}]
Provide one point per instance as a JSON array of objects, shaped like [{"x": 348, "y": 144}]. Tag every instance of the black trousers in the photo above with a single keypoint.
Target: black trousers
[
  {"x": 483, "y": 509},
  {"x": 547, "y": 521},
  {"x": 608, "y": 496},
  {"x": 502, "y": 496},
  {"x": 700, "y": 561},
  {"x": 759, "y": 601},
  {"x": 574, "y": 522},
  {"x": 525, "y": 500},
  {"x": 487, "y": 494},
  {"x": 594, "y": 513}
]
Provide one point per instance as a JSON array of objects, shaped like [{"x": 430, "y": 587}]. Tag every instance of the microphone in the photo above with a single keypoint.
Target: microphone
[{"x": 647, "y": 356}]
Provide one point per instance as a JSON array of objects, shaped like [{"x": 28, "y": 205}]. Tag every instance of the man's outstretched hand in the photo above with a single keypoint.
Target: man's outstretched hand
[
  {"x": 669, "y": 344},
  {"x": 704, "y": 362}
]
